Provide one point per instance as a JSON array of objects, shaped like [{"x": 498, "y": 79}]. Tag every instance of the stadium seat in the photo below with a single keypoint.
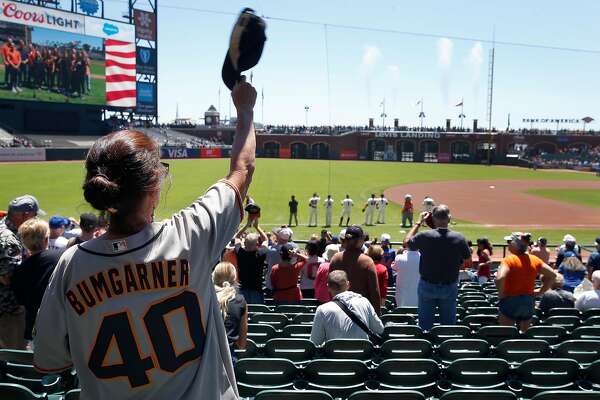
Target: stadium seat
[
  {"x": 561, "y": 312},
  {"x": 478, "y": 373},
  {"x": 479, "y": 395},
  {"x": 483, "y": 310},
  {"x": 592, "y": 312},
  {"x": 11, "y": 391},
  {"x": 260, "y": 333},
  {"x": 592, "y": 374},
  {"x": 496, "y": 334},
  {"x": 73, "y": 394},
  {"x": 567, "y": 395},
  {"x": 541, "y": 374},
  {"x": 250, "y": 351},
  {"x": 399, "y": 319},
  {"x": 258, "y": 308},
  {"x": 304, "y": 318},
  {"x": 414, "y": 311},
  {"x": 516, "y": 351},
  {"x": 406, "y": 348},
  {"x": 16, "y": 366},
  {"x": 276, "y": 320},
  {"x": 402, "y": 332},
  {"x": 454, "y": 349},
  {"x": 408, "y": 374},
  {"x": 256, "y": 374},
  {"x": 582, "y": 351},
  {"x": 294, "y": 309},
  {"x": 592, "y": 320},
  {"x": 313, "y": 303},
  {"x": 339, "y": 378},
  {"x": 473, "y": 303},
  {"x": 586, "y": 333},
  {"x": 551, "y": 334},
  {"x": 387, "y": 395},
  {"x": 479, "y": 320},
  {"x": 348, "y": 349},
  {"x": 293, "y": 395},
  {"x": 297, "y": 331},
  {"x": 440, "y": 333},
  {"x": 569, "y": 322},
  {"x": 296, "y": 350}
]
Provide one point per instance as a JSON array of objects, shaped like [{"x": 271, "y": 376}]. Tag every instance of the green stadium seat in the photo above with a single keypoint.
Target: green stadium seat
[
  {"x": 477, "y": 321},
  {"x": 592, "y": 374},
  {"x": 339, "y": 378},
  {"x": 586, "y": 333},
  {"x": 258, "y": 308},
  {"x": 569, "y": 322},
  {"x": 254, "y": 375},
  {"x": 489, "y": 310},
  {"x": 561, "y": 312},
  {"x": 305, "y": 318},
  {"x": 541, "y": 374},
  {"x": 414, "y": 311},
  {"x": 592, "y": 320},
  {"x": 250, "y": 351},
  {"x": 260, "y": 333},
  {"x": 313, "y": 303},
  {"x": 582, "y": 351},
  {"x": 551, "y": 334},
  {"x": 455, "y": 349},
  {"x": 400, "y": 319},
  {"x": 293, "y": 395},
  {"x": 567, "y": 395},
  {"x": 402, "y": 332},
  {"x": 472, "y": 303},
  {"x": 296, "y": 350},
  {"x": 592, "y": 312},
  {"x": 297, "y": 331},
  {"x": 516, "y": 351},
  {"x": 440, "y": 333},
  {"x": 387, "y": 395},
  {"x": 408, "y": 374},
  {"x": 276, "y": 320},
  {"x": 348, "y": 349},
  {"x": 479, "y": 395},
  {"x": 11, "y": 391},
  {"x": 406, "y": 348},
  {"x": 16, "y": 366},
  {"x": 294, "y": 309},
  {"x": 478, "y": 374},
  {"x": 496, "y": 334},
  {"x": 73, "y": 394}
]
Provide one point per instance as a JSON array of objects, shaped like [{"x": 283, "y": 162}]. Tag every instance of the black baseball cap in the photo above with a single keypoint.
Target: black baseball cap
[
  {"x": 245, "y": 46},
  {"x": 598, "y": 240},
  {"x": 88, "y": 221},
  {"x": 354, "y": 232}
]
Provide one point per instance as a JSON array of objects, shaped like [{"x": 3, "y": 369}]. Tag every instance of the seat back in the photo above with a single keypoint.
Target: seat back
[
  {"x": 592, "y": 312},
  {"x": 293, "y": 395},
  {"x": 455, "y": 349},
  {"x": 548, "y": 372},
  {"x": 519, "y": 350},
  {"x": 387, "y": 395},
  {"x": 592, "y": 320},
  {"x": 478, "y": 372},
  {"x": 561, "y": 312},
  {"x": 256, "y": 374},
  {"x": 586, "y": 333},
  {"x": 476, "y": 321},
  {"x": 303, "y": 319},
  {"x": 11, "y": 391},
  {"x": 406, "y": 348},
  {"x": 294, "y": 349},
  {"x": 294, "y": 309},
  {"x": 250, "y": 350},
  {"x": 276, "y": 320},
  {"x": 569, "y": 322},
  {"x": 297, "y": 331},
  {"x": 339, "y": 378},
  {"x": 567, "y": 394},
  {"x": 402, "y": 332},
  {"x": 479, "y": 395},
  {"x": 592, "y": 373},
  {"x": 551, "y": 334},
  {"x": 258, "y": 308},
  {"x": 444, "y": 332},
  {"x": 260, "y": 333},
  {"x": 408, "y": 373},
  {"x": 582, "y": 351},
  {"x": 350, "y": 349},
  {"x": 496, "y": 334},
  {"x": 414, "y": 311},
  {"x": 73, "y": 394},
  {"x": 402, "y": 319}
]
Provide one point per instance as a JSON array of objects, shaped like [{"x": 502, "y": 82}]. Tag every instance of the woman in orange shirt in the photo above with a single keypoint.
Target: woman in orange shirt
[{"x": 285, "y": 275}]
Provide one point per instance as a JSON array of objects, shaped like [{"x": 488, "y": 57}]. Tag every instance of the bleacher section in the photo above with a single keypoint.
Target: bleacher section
[
  {"x": 173, "y": 138},
  {"x": 62, "y": 141},
  {"x": 5, "y": 138}
]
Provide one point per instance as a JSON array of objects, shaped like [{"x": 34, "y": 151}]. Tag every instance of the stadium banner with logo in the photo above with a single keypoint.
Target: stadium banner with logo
[
  {"x": 145, "y": 25},
  {"x": 444, "y": 157},
  {"x": 285, "y": 152},
  {"x": 146, "y": 98},
  {"x": 22, "y": 154},
  {"x": 42, "y": 17},
  {"x": 145, "y": 60},
  {"x": 109, "y": 29},
  {"x": 178, "y": 152},
  {"x": 348, "y": 154},
  {"x": 210, "y": 153}
]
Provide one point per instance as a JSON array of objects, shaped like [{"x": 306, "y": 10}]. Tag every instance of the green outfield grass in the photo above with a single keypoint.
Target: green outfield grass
[
  {"x": 58, "y": 187},
  {"x": 586, "y": 197}
]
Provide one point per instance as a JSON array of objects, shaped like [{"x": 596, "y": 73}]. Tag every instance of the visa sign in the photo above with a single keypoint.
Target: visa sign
[{"x": 176, "y": 152}]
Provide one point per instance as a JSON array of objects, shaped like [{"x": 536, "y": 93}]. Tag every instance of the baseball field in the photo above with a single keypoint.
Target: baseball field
[{"x": 485, "y": 201}]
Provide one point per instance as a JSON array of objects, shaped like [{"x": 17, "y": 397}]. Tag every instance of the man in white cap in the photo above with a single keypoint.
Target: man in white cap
[
  {"x": 328, "y": 203},
  {"x": 313, "y": 208},
  {"x": 382, "y": 203},
  {"x": 569, "y": 245},
  {"x": 347, "y": 205},
  {"x": 283, "y": 236},
  {"x": 12, "y": 315}
]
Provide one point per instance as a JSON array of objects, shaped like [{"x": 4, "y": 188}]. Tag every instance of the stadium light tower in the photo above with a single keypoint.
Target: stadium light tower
[
  {"x": 306, "y": 108},
  {"x": 383, "y": 114}
]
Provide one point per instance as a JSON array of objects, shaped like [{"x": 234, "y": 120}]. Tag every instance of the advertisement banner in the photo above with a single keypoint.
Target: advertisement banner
[
  {"x": 178, "y": 152},
  {"x": 348, "y": 154},
  {"x": 210, "y": 153},
  {"x": 109, "y": 29},
  {"x": 42, "y": 17},
  {"x": 444, "y": 157},
  {"x": 145, "y": 60},
  {"x": 22, "y": 154},
  {"x": 285, "y": 152},
  {"x": 145, "y": 25},
  {"x": 146, "y": 98}
]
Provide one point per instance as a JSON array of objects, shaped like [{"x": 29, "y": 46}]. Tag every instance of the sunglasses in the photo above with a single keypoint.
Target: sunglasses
[{"x": 166, "y": 165}]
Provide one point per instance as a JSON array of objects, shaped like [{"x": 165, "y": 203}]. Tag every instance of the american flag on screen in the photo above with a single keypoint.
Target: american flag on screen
[{"x": 120, "y": 73}]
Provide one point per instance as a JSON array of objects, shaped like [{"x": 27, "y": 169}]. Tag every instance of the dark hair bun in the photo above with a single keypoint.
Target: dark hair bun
[{"x": 101, "y": 192}]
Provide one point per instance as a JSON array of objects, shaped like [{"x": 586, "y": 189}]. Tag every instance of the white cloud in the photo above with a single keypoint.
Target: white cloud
[
  {"x": 474, "y": 62},
  {"x": 445, "y": 47},
  {"x": 394, "y": 72},
  {"x": 371, "y": 57}
]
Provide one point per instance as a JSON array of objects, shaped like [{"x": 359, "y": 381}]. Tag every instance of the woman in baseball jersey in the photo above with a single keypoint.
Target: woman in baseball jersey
[{"x": 134, "y": 310}]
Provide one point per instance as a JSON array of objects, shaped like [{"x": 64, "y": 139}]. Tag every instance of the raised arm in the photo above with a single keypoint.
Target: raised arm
[{"x": 243, "y": 150}]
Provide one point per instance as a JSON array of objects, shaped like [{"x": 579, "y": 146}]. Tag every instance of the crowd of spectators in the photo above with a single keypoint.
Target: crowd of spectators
[
  {"x": 16, "y": 141},
  {"x": 568, "y": 158}
]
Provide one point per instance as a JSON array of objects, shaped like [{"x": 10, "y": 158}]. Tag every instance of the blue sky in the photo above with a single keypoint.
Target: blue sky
[
  {"x": 49, "y": 37},
  {"x": 366, "y": 67}
]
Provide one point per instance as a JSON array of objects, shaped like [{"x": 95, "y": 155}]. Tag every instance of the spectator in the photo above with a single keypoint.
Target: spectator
[
  {"x": 484, "y": 255},
  {"x": 376, "y": 253},
  {"x": 443, "y": 252},
  {"x": 88, "y": 222},
  {"x": 309, "y": 272},
  {"x": 232, "y": 305},
  {"x": 31, "y": 278},
  {"x": 358, "y": 266},
  {"x": 332, "y": 322},
  {"x": 590, "y": 298},
  {"x": 324, "y": 240},
  {"x": 285, "y": 274},
  {"x": 569, "y": 245},
  {"x": 389, "y": 255},
  {"x": 572, "y": 270},
  {"x": 321, "y": 290},
  {"x": 283, "y": 236},
  {"x": 557, "y": 297},
  {"x": 516, "y": 283},
  {"x": 57, "y": 229},
  {"x": 12, "y": 315},
  {"x": 540, "y": 250},
  {"x": 251, "y": 268},
  {"x": 593, "y": 263},
  {"x": 406, "y": 266}
]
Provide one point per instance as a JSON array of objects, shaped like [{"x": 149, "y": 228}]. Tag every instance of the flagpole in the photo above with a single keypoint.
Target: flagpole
[
  {"x": 262, "y": 106},
  {"x": 462, "y": 114},
  {"x": 421, "y": 114}
]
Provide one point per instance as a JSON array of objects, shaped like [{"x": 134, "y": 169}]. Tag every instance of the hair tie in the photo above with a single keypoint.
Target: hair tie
[
  {"x": 101, "y": 175},
  {"x": 226, "y": 284}
]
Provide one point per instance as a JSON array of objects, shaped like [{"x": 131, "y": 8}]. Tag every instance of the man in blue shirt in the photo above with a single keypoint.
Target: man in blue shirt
[{"x": 593, "y": 263}]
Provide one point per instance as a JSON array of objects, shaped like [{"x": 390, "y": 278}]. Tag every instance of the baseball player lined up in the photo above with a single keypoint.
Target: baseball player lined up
[
  {"x": 135, "y": 310},
  {"x": 369, "y": 210},
  {"x": 382, "y": 203},
  {"x": 347, "y": 205},
  {"x": 313, "y": 210},
  {"x": 328, "y": 203}
]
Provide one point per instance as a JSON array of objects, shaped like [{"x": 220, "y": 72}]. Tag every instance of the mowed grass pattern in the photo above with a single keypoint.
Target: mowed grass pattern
[
  {"x": 58, "y": 187},
  {"x": 586, "y": 197}
]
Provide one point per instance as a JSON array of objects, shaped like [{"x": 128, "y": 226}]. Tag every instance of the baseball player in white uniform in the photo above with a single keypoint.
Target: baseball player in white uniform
[
  {"x": 369, "y": 210},
  {"x": 382, "y": 203},
  {"x": 135, "y": 310},
  {"x": 347, "y": 205},
  {"x": 313, "y": 210},
  {"x": 328, "y": 203}
]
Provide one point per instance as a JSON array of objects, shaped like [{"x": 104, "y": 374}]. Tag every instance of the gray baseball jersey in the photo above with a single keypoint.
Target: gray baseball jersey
[{"x": 138, "y": 317}]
